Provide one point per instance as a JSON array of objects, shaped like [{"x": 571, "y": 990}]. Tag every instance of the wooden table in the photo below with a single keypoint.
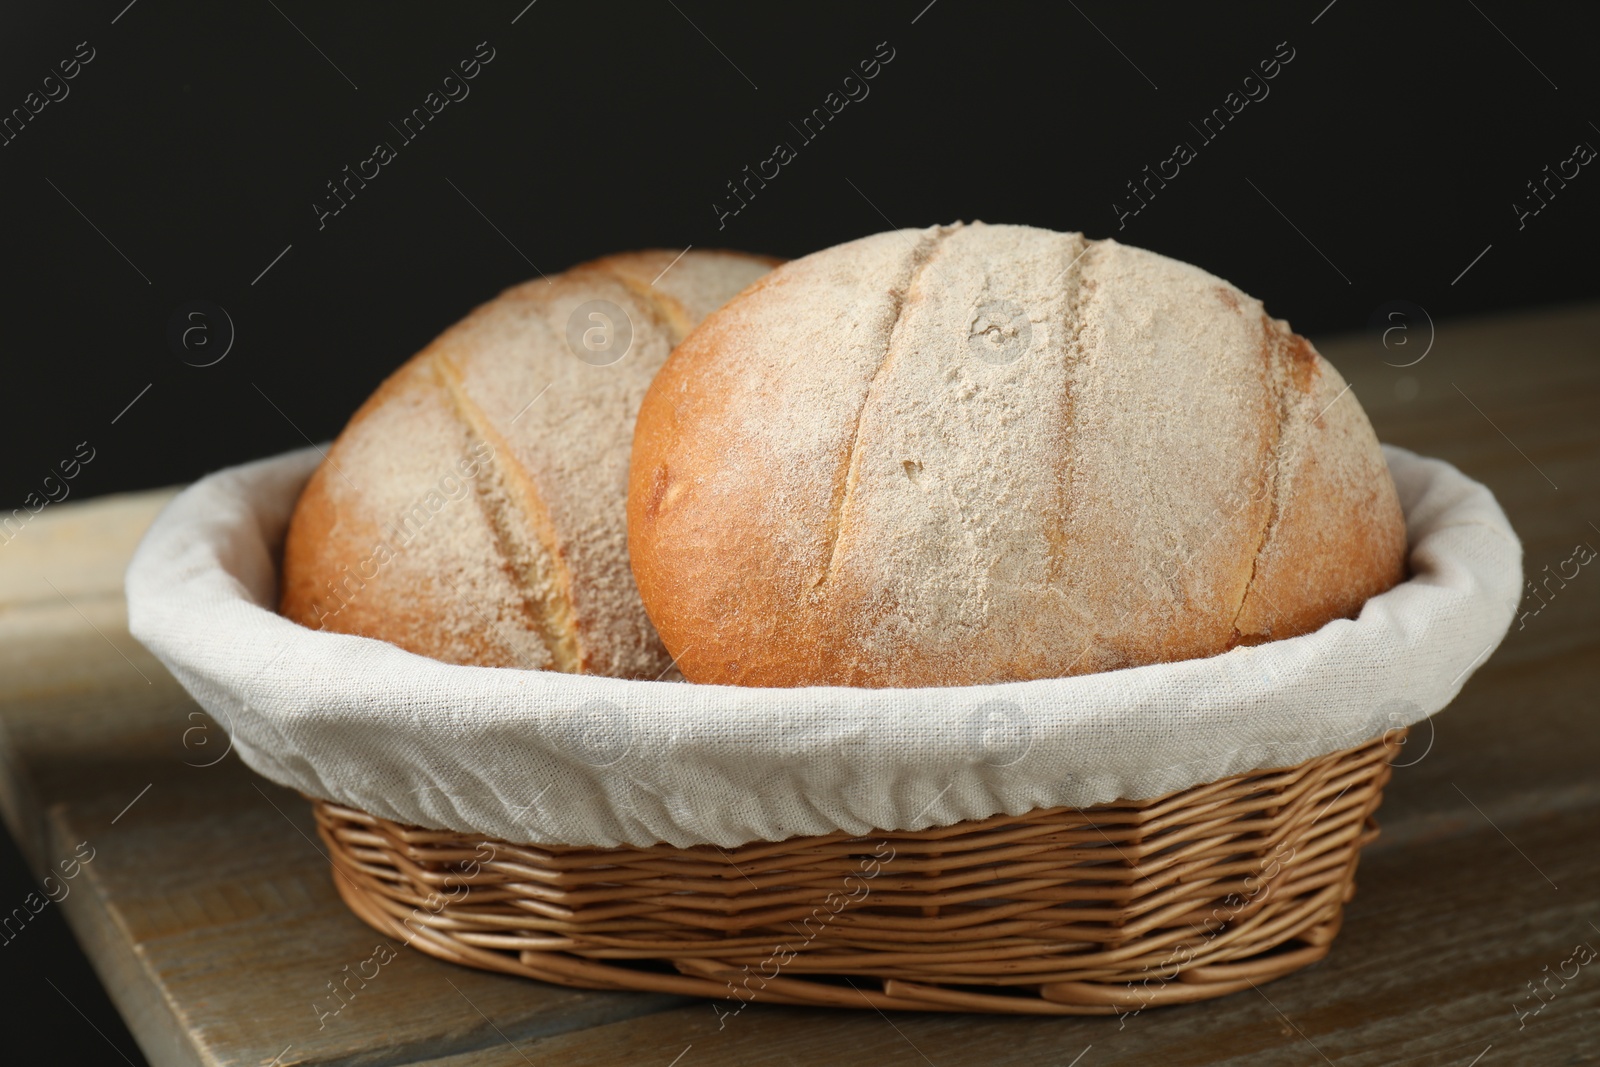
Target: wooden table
[{"x": 208, "y": 910}]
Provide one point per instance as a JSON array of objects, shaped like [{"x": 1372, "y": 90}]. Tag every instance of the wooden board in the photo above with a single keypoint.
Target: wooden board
[{"x": 209, "y": 913}]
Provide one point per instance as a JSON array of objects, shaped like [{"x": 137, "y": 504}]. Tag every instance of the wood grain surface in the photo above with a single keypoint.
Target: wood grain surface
[{"x": 207, "y": 908}]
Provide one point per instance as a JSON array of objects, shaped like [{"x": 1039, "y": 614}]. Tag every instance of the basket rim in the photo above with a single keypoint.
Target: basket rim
[{"x": 197, "y": 586}]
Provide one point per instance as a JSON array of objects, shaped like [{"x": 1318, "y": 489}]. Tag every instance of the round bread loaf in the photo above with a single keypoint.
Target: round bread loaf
[
  {"x": 472, "y": 510},
  {"x": 974, "y": 454}
]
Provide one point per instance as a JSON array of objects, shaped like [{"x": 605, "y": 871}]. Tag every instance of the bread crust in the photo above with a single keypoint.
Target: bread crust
[
  {"x": 472, "y": 509},
  {"x": 979, "y": 453}
]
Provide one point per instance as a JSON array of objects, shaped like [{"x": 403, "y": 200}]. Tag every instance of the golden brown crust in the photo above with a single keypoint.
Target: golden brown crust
[
  {"x": 835, "y": 481},
  {"x": 466, "y": 515},
  {"x": 1336, "y": 536}
]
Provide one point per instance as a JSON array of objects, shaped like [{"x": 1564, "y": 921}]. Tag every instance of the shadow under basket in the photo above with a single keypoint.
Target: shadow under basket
[{"x": 1061, "y": 911}]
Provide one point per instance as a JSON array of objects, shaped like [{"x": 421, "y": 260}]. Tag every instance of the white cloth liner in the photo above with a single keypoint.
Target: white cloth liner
[{"x": 535, "y": 756}]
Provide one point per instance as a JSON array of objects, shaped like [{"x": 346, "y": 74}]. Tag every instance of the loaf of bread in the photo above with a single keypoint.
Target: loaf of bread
[
  {"x": 473, "y": 509},
  {"x": 977, "y": 453}
]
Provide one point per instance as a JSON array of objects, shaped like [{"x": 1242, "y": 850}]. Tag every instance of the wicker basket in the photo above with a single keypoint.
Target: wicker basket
[{"x": 1062, "y": 911}]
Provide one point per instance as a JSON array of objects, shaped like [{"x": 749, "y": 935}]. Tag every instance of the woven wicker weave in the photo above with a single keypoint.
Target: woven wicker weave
[{"x": 1060, "y": 911}]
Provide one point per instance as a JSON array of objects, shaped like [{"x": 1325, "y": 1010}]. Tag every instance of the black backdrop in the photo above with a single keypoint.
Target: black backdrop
[
  {"x": 179, "y": 171},
  {"x": 191, "y": 150}
]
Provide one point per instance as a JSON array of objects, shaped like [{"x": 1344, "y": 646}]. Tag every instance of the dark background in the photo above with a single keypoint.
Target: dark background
[
  {"x": 200, "y": 136},
  {"x": 192, "y": 148}
]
